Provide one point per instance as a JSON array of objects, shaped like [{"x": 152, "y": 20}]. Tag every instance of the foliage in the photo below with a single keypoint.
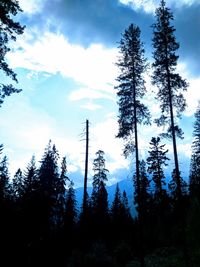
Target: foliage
[
  {"x": 71, "y": 210},
  {"x": 4, "y": 179},
  {"x": 170, "y": 84},
  {"x": 156, "y": 160},
  {"x": 9, "y": 31},
  {"x": 144, "y": 188},
  {"x": 195, "y": 157},
  {"x": 42, "y": 221},
  {"x": 99, "y": 193},
  {"x": 131, "y": 89},
  {"x": 100, "y": 172}
]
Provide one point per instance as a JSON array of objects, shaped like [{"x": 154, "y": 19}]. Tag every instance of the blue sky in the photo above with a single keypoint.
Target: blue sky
[{"x": 65, "y": 64}]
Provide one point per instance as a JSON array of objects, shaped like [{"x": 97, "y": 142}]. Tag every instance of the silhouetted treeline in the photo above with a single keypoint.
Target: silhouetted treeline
[{"x": 41, "y": 224}]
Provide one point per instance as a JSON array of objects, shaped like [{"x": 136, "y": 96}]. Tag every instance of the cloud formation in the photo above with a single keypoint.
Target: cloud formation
[
  {"x": 92, "y": 67},
  {"x": 102, "y": 21}
]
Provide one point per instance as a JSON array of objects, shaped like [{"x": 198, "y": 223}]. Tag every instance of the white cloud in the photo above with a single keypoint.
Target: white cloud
[
  {"x": 192, "y": 96},
  {"x": 103, "y": 137},
  {"x": 92, "y": 67},
  {"x": 149, "y": 6},
  {"x": 88, "y": 93},
  {"x": 91, "y": 106},
  {"x": 25, "y": 131},
  {"x": 31, "y": 6},
  {"x": 185, "y": 149}
]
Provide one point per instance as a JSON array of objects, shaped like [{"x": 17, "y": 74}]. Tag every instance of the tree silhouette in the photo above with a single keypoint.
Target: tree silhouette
[
  {"x": 6, "y": 210},
  {"x": 29, "y": 206},
  {"x": 30, "y": 178},
  {"x": 116, "y": 208},
  {"x": 48, "y": 177},
  {"x": 125, "y": 204},
  {"x": 156, "y": 160},
  {"x": 40, "y": 223},
  {"x": 4, "y": 179},
  {"x": 170, "y": 84},
  {"x": 18, "y": 185},
  {"x": 9, "y": 31},
  {"x": 120, "y": 216},
  {"x": 70, "y": 210},
  {"x": 144, "y": 190},
  {"x": 99, "y": 197},
  {"x": 131, "y": 90},
  {"x": 194, "y": 177},
  {"x": 61, "y": 193},
  {"x": 99, "y": 178},
  {"x": 100, "y": 172}
]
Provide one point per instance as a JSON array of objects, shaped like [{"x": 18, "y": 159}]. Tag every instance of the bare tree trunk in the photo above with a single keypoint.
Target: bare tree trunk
[{"x": 86, "y": 168}]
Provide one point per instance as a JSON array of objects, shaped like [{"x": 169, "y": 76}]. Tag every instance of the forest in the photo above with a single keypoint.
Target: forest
[{"x": 41, "y": 223}]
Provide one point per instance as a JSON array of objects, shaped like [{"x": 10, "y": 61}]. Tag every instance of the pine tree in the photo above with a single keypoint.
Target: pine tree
[
  {"x": 99, "y": 178},
  {"x": 131, "y": 90},
  {"x": 30, "y": 203},
  {"x": 99, "y": 198},
  {"x": 18, "y": 185},
  {"x": 5, "y": 194},
  {"x": 100, "y": 172},
  {"x": 170, "y": 84},
  {"x": 194, "y": 178},
  {"x": 120, "y": 215},
  {"x": 116, "y": 207},
  {"x": 7, "y": 222},
  {"x": 173, "y": 186},
  {"x": 48, "y": 177},
  {"x": 30, "y": 177},
  {"x": 63, "y": 174},
  {"x": 71, "y": 209},
  {"x": 61, "y": 193},
  {"x": 156, "y": 160},
  {"x": 9, "y": 30},
  {"x": 5, "y": 186},
  {"x": 126, "y": 207},
  {"x": 118, "y": 219},
  {"x": 144, "y": 189}
]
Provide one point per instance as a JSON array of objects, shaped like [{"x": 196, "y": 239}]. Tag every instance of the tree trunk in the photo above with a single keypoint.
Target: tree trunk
[
  {"x": 86, "y": 168},
  {"x": 138, "y": 184}
]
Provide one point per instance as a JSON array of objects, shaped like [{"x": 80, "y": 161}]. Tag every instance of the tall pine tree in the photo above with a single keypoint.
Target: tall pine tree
[
  {"x": 170, "y": 84},
  {"x": 131, "y": 89}
]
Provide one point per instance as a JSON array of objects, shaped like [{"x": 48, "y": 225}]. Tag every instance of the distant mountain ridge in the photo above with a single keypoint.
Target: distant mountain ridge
[{"x": 125, "y": 184}]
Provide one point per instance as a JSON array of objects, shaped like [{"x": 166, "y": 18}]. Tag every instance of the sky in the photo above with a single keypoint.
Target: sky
[{"x": 65, "y": 65}]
